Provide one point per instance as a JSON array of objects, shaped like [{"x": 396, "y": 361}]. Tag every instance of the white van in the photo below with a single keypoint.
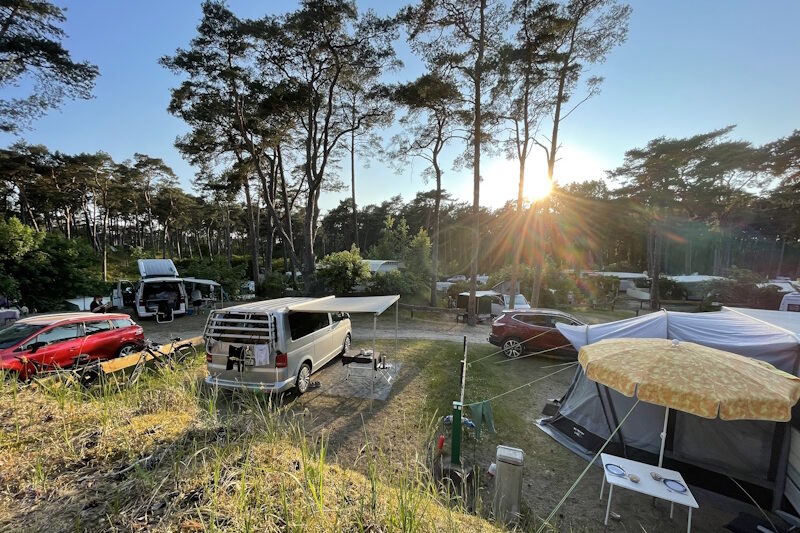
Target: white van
[
  {"x": 266, "y": 346},
  {"x": 791, "y": 302},
  {"x": 160, "y": 293}
]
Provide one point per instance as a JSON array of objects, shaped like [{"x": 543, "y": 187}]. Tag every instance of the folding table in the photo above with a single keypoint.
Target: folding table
[{"x": 646, "y": 485}]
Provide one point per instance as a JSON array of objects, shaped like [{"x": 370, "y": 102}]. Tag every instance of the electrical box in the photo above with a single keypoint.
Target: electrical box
[{"x": 508, "y": 484}]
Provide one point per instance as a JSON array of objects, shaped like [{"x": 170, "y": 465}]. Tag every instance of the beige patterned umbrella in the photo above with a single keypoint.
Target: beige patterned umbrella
[{"x": 692, "y": 378}]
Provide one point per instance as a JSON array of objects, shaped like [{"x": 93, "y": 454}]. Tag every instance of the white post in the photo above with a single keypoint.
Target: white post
[
  {"x": 464, "y": 370},
  {"x": 663, "y": 437},
  {"x": 396, "y": 324}
]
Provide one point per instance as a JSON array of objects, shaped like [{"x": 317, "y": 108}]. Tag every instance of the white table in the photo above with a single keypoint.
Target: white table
[{"x": 647, "y": 485}]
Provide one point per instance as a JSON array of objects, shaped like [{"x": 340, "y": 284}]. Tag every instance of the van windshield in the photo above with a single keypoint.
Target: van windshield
[{"x": 16, "y": 333}]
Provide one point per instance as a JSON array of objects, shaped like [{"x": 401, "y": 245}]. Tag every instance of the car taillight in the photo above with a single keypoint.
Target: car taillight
[
  {"x": 141, "y": 302},
  {"x": 139, "y": 330},
  {"x": 281, "y": 361},
  {"x": 208, "y": 357}
]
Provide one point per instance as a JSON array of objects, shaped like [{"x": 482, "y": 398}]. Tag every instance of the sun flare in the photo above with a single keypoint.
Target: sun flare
[{"x": 537, "y": 187}]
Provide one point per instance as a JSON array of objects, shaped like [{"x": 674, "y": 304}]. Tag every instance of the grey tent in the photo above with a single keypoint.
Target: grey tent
[{"x": 705, "y": 451}]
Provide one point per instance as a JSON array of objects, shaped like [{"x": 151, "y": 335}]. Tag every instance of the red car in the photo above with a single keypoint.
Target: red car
[
  {"x": 532, "y": 330},
  {"x": 56, "y": 340}
]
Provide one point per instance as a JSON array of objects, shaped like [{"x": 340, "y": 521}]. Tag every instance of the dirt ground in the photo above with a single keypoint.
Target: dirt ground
[{"x": 405, "y": 425}]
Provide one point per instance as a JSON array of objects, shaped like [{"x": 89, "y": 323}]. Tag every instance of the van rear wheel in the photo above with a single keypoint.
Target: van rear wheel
[{"x": 303, "y": 378}]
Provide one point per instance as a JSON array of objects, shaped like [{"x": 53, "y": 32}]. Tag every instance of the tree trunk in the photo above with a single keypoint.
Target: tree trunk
[
  {"x": 472, "y": 311},
  {"x": 253, "y": 234},
  {"x": 353, "y": 178},
  {"x": 105, "y": 245},
  {"x": 654, "y": 264},
  {"x": 435, "y": 244},
  {"x": 519, "y": 232},
  {"x": 779, "y": 270}
]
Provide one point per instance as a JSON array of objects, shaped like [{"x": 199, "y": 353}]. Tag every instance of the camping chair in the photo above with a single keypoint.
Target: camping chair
[{"x": 164, "y": 313}]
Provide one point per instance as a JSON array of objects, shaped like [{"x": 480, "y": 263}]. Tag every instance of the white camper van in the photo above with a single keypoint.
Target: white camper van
[
  {"x": 160, "y": 293},
  {"x": 268, "y": 346}
]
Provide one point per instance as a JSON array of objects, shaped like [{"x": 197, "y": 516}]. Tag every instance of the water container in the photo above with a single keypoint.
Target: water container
[{"x": 508, "y": 484}]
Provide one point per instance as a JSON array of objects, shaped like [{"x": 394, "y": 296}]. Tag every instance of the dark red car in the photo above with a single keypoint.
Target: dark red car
[
  {"x": 56, "y": 340},
  {"x": 532, "y": 330}
]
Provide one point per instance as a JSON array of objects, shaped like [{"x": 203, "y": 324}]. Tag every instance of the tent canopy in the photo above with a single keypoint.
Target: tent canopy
[
  {"x": 209, "y": 282},
  {"x": 729, "y": 330},
  {"x": 351, "y": 304},
  {"x": 705, "y": 451}
]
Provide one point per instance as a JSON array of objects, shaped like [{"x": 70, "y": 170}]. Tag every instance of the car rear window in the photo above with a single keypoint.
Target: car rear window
[
  {"x": 16, "y": 333},
  {"x": 122, "y": 322},
  {"x": 536, "y": 320}
]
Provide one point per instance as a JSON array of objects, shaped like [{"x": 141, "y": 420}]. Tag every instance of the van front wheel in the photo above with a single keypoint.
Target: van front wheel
[
  {"x": 303, "y": 378},
  {"x": 346, "y": 344}
]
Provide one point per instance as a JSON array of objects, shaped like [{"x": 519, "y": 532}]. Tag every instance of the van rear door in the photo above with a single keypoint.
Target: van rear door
[{"x": 232, "y": 340}]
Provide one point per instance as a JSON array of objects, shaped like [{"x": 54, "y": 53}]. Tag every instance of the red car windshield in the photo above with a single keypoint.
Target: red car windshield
[{"x": 16, "y": 333}]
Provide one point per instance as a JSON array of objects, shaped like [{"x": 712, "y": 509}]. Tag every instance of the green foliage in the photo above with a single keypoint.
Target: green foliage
[
  {"x": 273, "y": 286},
  {"x": 230, "y": 277},
  {"x": 56, "y": 270},
  {"x": 598, "y": 288},
  {"x": 742, "y": 294},
  {"x": 417, "y": 257},
  {"x": 669, "y": 289},
  {"x": 341, "y": 271},
  {"x": 393, "y": 282},
  {"x": 393, "y": 242},
  {"x": 16, "y": 239},
  {"x": 33, "y": 57}
]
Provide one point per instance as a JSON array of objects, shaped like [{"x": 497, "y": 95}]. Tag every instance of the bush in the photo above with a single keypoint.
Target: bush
[
  {"x": 598, "y": 288},
  {"x": 273, "y": 286},
  {"x": 54, "y": 270},
  {"x": 342, "y": 271},
  {"x": 671, "y": 290},
  {"x": 392, "y": 282},
  {"x": 230, "y": 277}
]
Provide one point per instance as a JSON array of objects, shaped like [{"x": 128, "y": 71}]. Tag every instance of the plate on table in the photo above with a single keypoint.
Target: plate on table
[
  {"x": 675, "y": 486},
  {"x": 615, "y": 470}
]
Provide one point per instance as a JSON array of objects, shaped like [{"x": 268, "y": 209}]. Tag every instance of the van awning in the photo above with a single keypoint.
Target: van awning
[
  {"x": 209, "y": 282},
  {"x": 349, "y": 304}
]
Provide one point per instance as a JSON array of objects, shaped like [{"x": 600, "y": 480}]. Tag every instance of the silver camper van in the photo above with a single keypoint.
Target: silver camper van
[
  {"x": 267, "y": 346},
  {"x": 160, "y": 293}
]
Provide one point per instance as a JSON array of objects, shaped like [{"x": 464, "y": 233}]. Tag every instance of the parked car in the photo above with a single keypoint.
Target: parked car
[
  {"x": 266, "y": 346},
  {"x": 532, "y": 330},
  {"x": 47, "y": 342}
]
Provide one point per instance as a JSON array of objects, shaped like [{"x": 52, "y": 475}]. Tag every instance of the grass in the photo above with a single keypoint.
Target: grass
[{"x": 169, "y": 455}]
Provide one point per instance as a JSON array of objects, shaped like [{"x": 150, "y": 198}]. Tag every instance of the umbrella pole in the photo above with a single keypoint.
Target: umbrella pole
[{"x": 663, "y": 437}]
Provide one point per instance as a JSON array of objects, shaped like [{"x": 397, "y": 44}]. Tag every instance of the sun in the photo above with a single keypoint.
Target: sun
[{"x": 537, "y": 187}]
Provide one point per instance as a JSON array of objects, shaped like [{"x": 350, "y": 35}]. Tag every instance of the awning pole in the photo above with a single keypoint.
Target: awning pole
[
  {"x": 396, "y": 323},
  {"x": 663, "y": 437},
  {"x": 374, "y": 355}
]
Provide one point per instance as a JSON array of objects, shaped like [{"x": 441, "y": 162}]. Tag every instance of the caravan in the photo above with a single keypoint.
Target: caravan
[{"x": 160, "y": 293}]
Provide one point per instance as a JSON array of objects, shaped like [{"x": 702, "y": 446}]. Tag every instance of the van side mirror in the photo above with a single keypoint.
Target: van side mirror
[{"x": 36, "y": 345}]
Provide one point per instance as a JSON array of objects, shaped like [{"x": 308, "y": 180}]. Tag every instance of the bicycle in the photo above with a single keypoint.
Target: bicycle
[{"x": 149, "y": 350}]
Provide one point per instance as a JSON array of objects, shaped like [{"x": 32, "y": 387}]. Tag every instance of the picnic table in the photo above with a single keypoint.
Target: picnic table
[{"x": 646, "y": 485}]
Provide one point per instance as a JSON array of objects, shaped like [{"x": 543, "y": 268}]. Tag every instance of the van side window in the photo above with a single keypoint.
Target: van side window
[
  {"x": 302, "y": 324},
  {"x": 97, "y": 327}
]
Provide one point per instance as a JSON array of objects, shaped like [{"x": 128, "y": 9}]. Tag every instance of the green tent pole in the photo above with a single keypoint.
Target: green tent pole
[{"x": 455, "y": 443}]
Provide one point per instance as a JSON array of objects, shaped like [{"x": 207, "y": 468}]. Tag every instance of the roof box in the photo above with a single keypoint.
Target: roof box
[{"x": 157, "y": 268}]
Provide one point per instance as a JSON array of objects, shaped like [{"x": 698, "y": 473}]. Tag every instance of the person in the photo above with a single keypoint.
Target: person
[
  {"x": 197, "y": 300},
  {"x": 97, "y": 305}
]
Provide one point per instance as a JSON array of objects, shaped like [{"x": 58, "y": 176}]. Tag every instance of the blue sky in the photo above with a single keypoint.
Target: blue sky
[{"x": 687, "y": 67}]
